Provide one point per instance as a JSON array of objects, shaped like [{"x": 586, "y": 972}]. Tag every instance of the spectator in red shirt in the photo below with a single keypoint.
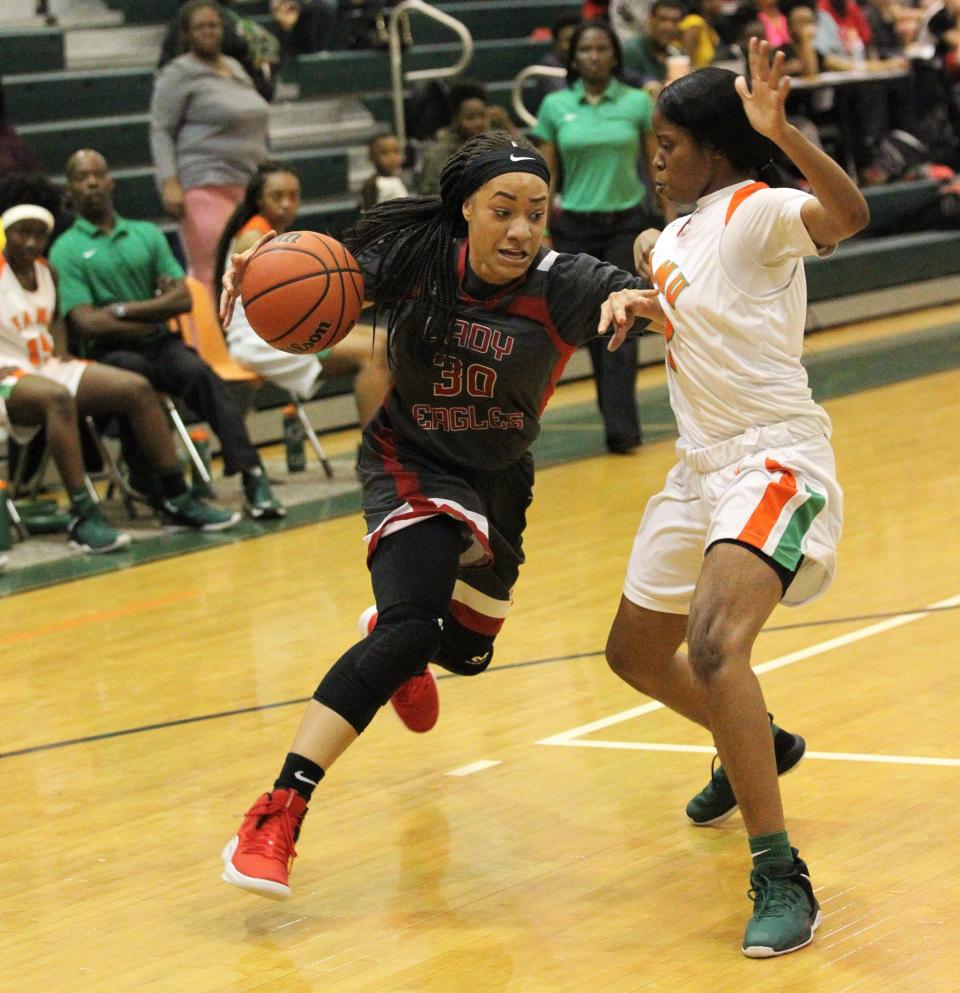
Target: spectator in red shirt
[{"x": 850, "y": 21}]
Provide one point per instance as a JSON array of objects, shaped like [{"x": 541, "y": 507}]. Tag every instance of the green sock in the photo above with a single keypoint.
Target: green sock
[
  {"x": 767, "y": 848},
  {"x": 79, "y": 499}
]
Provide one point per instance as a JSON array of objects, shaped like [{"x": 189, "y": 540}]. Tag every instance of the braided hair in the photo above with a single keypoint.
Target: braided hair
[
  {"x": 415, "y": 236},
  {"x": 247, "y": 208}
]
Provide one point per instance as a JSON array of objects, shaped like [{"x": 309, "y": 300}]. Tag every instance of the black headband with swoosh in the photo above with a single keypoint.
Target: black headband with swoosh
[{"x": 511, "y": 158}]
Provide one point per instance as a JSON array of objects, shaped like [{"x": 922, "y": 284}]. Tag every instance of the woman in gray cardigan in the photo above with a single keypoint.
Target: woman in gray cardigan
[{"x": 208, "y": 134}]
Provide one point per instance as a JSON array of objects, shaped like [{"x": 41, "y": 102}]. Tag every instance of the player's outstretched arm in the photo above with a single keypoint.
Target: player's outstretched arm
[
  {"x": 623, "y": 307},
  {"x": 233, "y": 274},
  {"x": 839, "y": 209}
]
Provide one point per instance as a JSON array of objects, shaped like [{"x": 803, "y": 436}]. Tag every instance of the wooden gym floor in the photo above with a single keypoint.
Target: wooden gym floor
[{"x": 535, "y": 841}]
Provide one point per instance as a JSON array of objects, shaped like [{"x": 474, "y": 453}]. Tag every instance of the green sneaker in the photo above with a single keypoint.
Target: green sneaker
[
  {"x": 90, "y": 532},
  {"x": 261, "y": 504},
  {"x": 785, "y": 911},
  {"x": 716, "y": 802},
  {"x": 188, "y": 512}
]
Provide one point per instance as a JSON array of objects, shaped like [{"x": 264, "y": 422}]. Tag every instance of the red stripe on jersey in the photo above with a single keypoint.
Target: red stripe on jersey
[
  {"x": 488, "y": 302},
  {"x": 473, "y": 620},
  {"x": 740, "y": 196},
  {"x": 535, "y": 308},
  {"x": 406, "y": 481}
]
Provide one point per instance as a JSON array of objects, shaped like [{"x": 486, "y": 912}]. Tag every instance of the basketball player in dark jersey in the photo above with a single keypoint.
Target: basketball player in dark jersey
[{"x": 481, "y": 322}]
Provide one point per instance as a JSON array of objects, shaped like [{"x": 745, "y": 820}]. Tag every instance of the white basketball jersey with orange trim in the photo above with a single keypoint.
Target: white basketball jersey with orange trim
[
  {"x": 733, "y": 288},
  {"x": 25, "y": 317}
]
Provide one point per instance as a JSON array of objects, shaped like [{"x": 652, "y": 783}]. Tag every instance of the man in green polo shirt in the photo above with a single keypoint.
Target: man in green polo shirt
[
  {"x": 119, "y": 285},
  {"x": 594, "y": 135}
]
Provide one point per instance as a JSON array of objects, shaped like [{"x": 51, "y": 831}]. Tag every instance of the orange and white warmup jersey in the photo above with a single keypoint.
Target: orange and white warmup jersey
[
  {"x": 25, "y": 340},
  {"x": 25, "y": 316},
  {"x": 733, "y": 288}
]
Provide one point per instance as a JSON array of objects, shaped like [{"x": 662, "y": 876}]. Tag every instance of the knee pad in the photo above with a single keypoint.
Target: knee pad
[
  {"x": 464, "y": 652},
  {"x": 368, "y": 674}
]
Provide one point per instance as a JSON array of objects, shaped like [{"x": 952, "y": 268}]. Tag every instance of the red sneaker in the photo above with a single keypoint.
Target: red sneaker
[
  {"x": 258, "y": 858},
  {"x": 417, "y": 702},
  {"x": 367, "y": 621}
]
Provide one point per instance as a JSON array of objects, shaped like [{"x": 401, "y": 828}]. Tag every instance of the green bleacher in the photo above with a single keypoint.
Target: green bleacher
[
  {"x": 33, "y": 50},
  {"x": 880, "y": 263},
  {"x": 71, "y": 95}
]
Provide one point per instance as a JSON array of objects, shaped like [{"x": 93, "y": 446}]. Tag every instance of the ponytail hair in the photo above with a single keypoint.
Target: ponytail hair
[
  {"x": 247, "y": 208},
  {"x": 706, "y": 104},
  {"x": 415, "y": 238}
]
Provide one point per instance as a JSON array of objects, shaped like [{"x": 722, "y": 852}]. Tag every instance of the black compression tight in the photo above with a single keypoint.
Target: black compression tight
[{"x": 413, "y": 573}]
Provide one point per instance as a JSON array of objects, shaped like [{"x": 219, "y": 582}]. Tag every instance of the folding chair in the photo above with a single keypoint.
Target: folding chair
[
  {"x": 17, "y": 483},
  {"x": 201, "y": 329}
]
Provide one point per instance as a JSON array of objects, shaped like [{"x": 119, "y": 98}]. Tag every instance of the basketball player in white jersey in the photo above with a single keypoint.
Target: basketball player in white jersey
[
  {"x": 42, "y": 386},
  {"x": 751, "y": 514}
]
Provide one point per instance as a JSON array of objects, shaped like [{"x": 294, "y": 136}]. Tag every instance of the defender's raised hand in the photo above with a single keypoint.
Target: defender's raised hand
[{"x": 765, "y": 97}]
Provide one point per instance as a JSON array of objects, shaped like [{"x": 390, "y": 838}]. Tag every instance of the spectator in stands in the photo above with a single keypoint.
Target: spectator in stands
[
  {"x": 119, "y": 285},
  {"x": 15, "y": 156},
  {"x": 593, "y": 134},
  {"x": 628, "y": 17},
  {"x": 557, "y": 58},
  {"x": 303, "y": 26},
  {"x": 647, "y": 53},
  {"x": 386, "y": 183},
  {"x": 887, "y": 28},
  {"x": 853, "y": 26},
  {"x": 470, "y": 114},
  {"x": 251, "y": 44},
  {"x": 698, "y": 34},
  {"x": 801, "y": 58},
  {"x": 943, "y": 26},
  {"x": 271, "y": 204},
  {"x": 42, "y": 386},
  {"x": 775, "y": 29},
  {"x": 890, "y": 32},
  {"x": 208, "y": 134}
]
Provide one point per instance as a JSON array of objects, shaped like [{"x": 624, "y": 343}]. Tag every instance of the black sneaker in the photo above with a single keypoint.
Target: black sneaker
[
  {"x": 716, "y": 802},
  {"x": 188, "y": 512},
  {"x": 261, "y": 504}
]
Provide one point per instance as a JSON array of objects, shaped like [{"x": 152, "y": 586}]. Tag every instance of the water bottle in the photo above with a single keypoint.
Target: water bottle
[
  {"x": 201, "y": 442},
  {"x": 293, "y": 439}
]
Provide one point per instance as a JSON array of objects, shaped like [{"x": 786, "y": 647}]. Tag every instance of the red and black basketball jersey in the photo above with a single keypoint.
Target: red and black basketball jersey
[{"x": 479, "y": 405}]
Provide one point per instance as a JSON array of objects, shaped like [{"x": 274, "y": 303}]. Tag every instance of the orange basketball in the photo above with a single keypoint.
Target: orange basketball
[{"x": 302, "y": 292}]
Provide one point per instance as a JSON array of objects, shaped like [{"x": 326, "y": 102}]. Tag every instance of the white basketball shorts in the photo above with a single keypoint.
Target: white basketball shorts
[
  {"x": 784, "y": 501},
  {"x": 66, "y": 372}
]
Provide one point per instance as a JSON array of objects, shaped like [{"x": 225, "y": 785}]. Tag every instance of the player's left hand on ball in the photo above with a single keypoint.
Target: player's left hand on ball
[
  {"x": 233, "y": 274},
  {"x": 622, "y": 308}
]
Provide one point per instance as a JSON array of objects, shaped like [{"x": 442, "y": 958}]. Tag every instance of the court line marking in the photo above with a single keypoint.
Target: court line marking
[
  {"x": 469, "y": 770},
  {"x": 573, "y": 737},
  {"x": 98, "y": 616},
  {"x": 656, "y": 746},
  {"x": 951, "y": 604}
]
